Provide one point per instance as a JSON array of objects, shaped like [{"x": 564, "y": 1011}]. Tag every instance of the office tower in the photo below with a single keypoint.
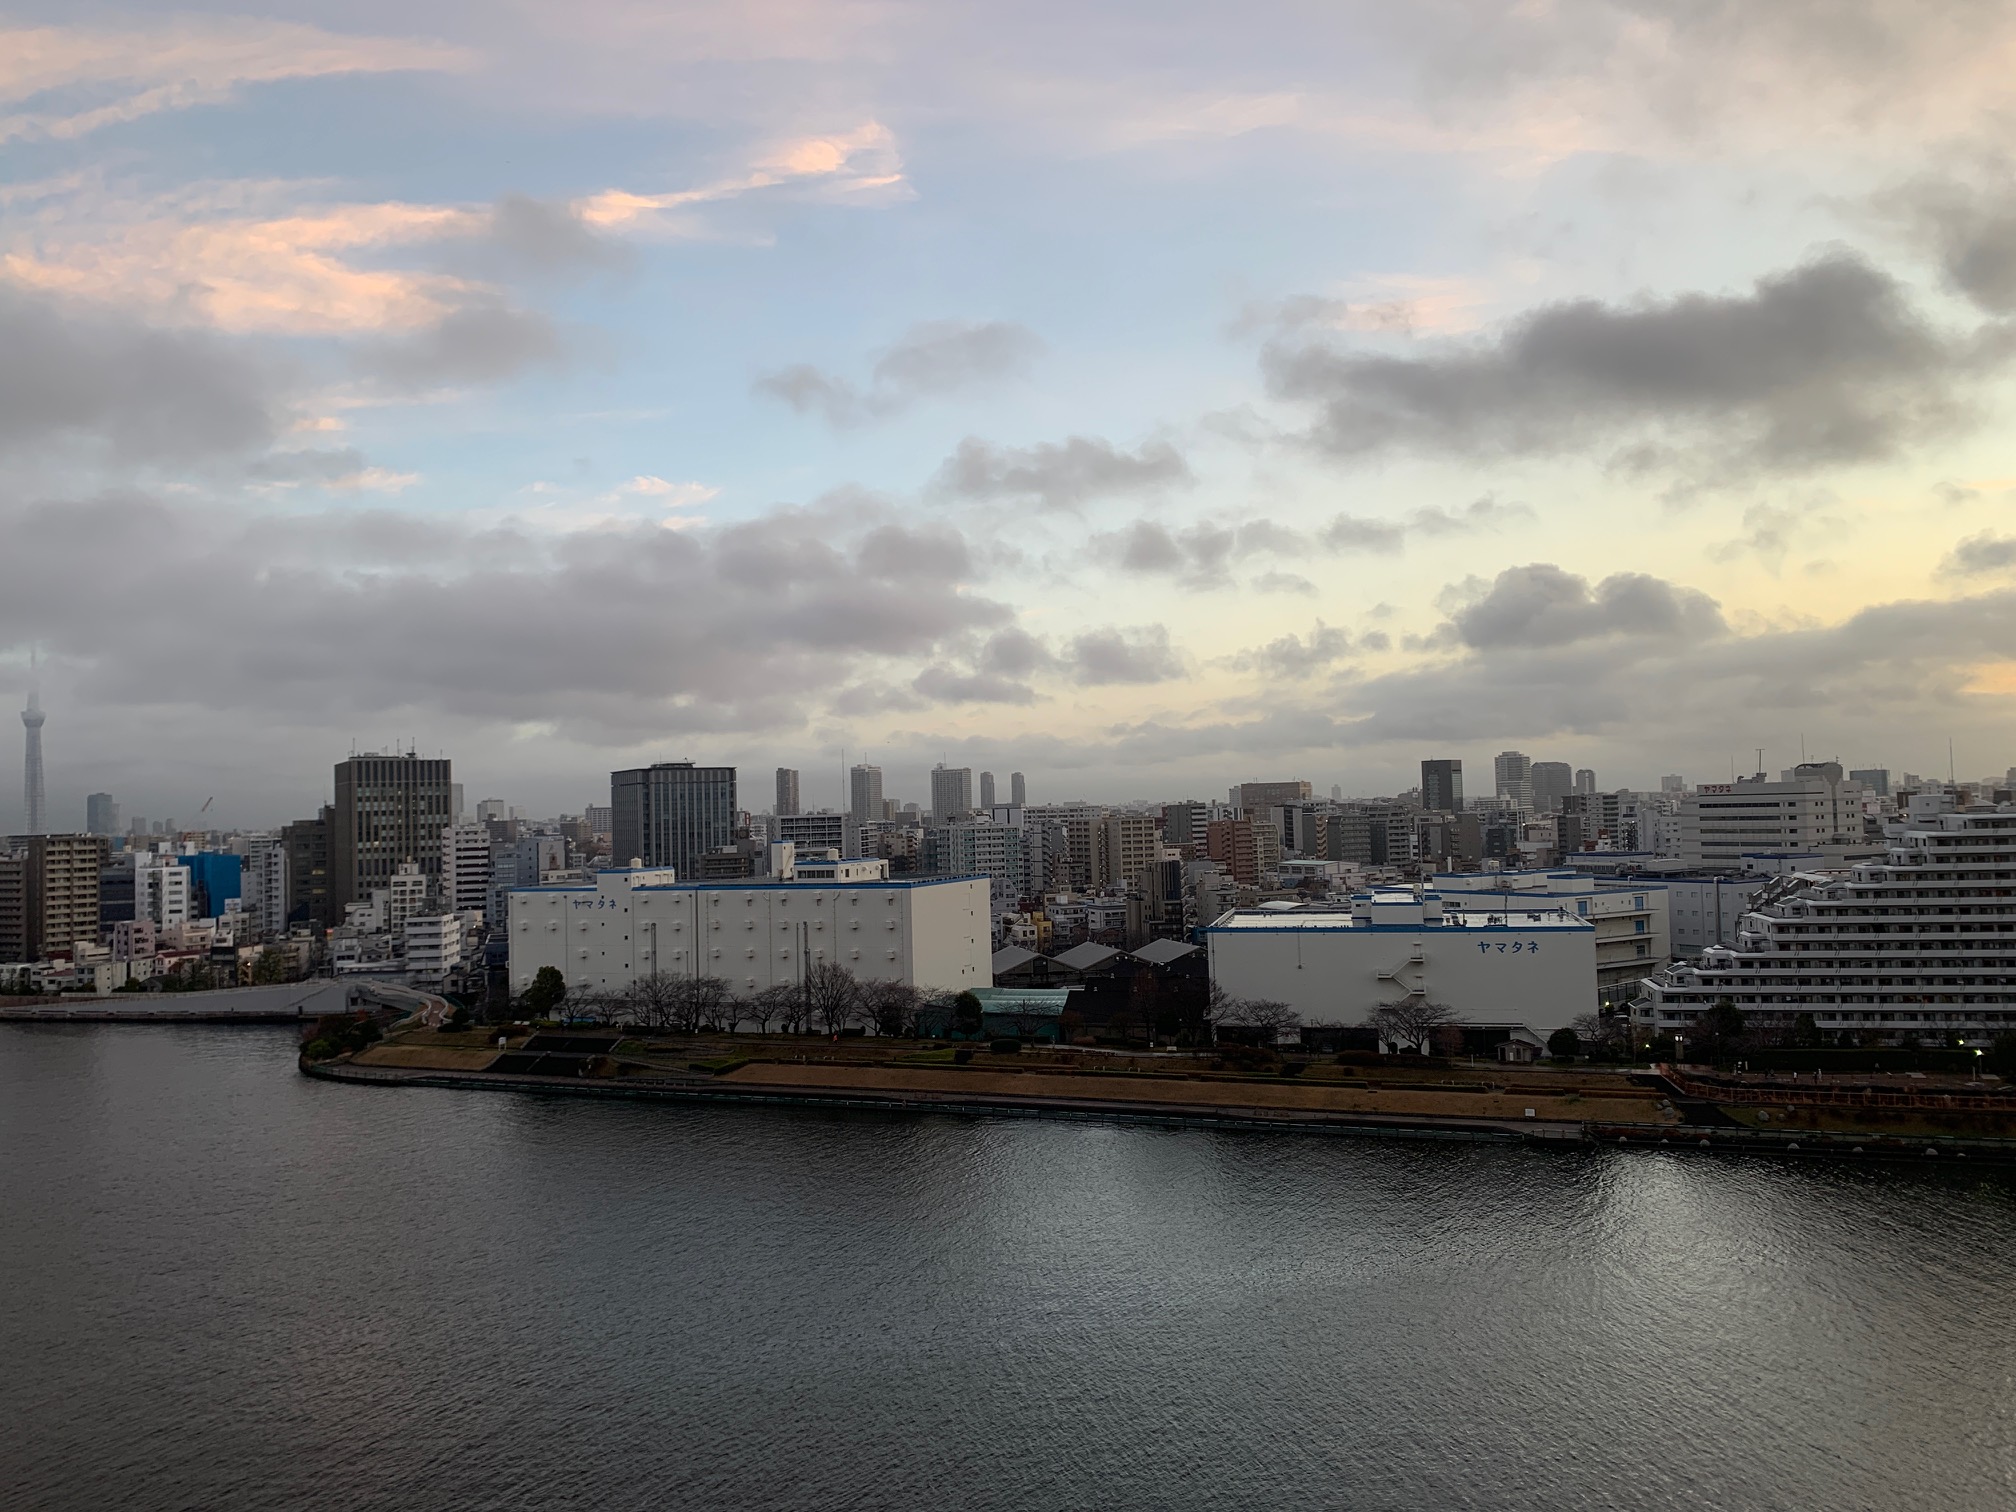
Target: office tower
[
  {"x": 1673, "y": 783},
  {"x": 58, "y": 891},
  {"x": 1251, "y": 796},
  {"x": 31, "y": 763},
  {"x": 1585, "y": 780},
  {"x": 388, "y": 809},
  {"x": 1551, "y": 782},
  {"x": 101, "y": 815},
  {"x": 951, "y": 793},
  {"x": 787, "y": 792},
  {"x": 671, "y": 813},
  {"x": 1877, "y": 779},
  {"x": 1442, "y": 786},
  {"x": 306, "y": 842},
  {"x": 1514, "y": 774},
  {"x": 864, "y": 794},
  {"x": 454, "y": 803},
  {"x": 1018, "y": 790},
  {"x": 491, "y": 810},
  {"x": 137, "y": 827},
  {"x": 986, "y": 792}
]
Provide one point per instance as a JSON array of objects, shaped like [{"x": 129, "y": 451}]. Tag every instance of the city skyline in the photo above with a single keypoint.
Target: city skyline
[{"x": 1601, "y": 383}]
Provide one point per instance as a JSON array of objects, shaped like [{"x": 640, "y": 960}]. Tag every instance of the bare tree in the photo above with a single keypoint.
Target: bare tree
[
  {"x": 773, "y": 1003},
  {"x": 1269, "y": 1018},
  {"x": 888, "y": 1007},
  {"x": 831, "y": 994},
  {"x": 650, "y": 1000},
  {"x": 1412, "y": 1022}
]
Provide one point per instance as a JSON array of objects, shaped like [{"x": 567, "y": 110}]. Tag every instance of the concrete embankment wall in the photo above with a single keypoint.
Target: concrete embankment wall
[{"x": 246, "y": 1005}]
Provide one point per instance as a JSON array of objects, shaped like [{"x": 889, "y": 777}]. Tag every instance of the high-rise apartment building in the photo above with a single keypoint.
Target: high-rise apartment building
[
  {"x": 1125, "y": 849},
  {"x": 986, "y": 792},
  {"x": 1585, "y": 780},
  {"x": 1513, "y": 772},
  {"x": 864, "y": 794},
  {"x": 787, "y": 792},
  {"x": 1551, "y": 782},
  {"x": 1442, "y": 786},
  {"x": 1018, "y": 789},
  {"x": 388, "y": 809},
  {"x": 101, "y": 815},
  {"x": 58, "y": 891},
  {"x": 265, "y": 885},
  {"x": 465, "y": 868},
  {"x": 164, "y": 893},
  {"x": 951, "y": 794},
  {"x": 671, "y": 813}
]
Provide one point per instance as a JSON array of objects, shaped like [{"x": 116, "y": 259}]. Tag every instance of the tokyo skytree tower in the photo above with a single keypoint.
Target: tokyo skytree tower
[{"x": 31, "y": 767}]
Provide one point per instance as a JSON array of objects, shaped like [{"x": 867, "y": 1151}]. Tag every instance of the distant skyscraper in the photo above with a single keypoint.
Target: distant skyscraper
[
  {"x": 864, "y": 796},
  {"x": 951, "y": 793},
  {"x": 31, "y": 765},
  {"x": 1442, "y": 786},
  {"x": 1018, "y": 790},
  {"x": 1673, "y": 783},
  {"x": 671, "y": 813},
  {"x": 986, "y": 792},
  {"x": 1514, "y": 774},
  {"x": 1552, "y": 781},
  {"x": 1877, "y": 779},
  {"x": 1585, "y": 780},
  {"x": 101, "y": 815},
  {"x": 787, "y": 793}
]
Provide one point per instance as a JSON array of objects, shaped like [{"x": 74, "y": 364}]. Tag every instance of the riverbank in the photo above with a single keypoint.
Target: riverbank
[{"x": 1555, "y": 1108}]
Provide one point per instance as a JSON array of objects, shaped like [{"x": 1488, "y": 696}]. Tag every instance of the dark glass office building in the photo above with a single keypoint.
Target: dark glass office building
[{"x": 671, "y": 813}]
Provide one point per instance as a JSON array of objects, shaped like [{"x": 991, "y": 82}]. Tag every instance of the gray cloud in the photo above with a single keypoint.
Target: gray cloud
[
  {"x": 1541, "y": 605},
  {"x": 1980, "y": 554},
  {"x": 139, "y": 394},
  {"x": 548, "y": 237},
  {"x": 1294, "y": 655},
  {"x": 1971, "y": 229},
  {"x": 1058, "y": 475},
  {"x": 480, "y": 343},
  {"x": 617, "y": 635},
  {"x": 948, "y": 685},
  {"x": 930, "y": 360},
  {"x": 1825, "y": 363},
  {"x": 1136, "y": 654}
]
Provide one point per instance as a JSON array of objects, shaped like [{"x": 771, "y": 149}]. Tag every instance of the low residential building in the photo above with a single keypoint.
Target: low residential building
[
  {"x": 1917, "y": 946},
  {"x": 1633, "y": 937},
  {"x": 1514, "y": 974},
  {"x": 603, "y": 934}
]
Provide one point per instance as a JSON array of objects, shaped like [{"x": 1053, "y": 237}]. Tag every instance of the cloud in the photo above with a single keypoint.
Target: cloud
[
  {"x": 934, "y": 358},
  {"x": 1058, "y": 475},
  {"x": 480, "y": 343},
  {"x": 138, "y": 393},
  {"x": 1136, "y": 654},
  {"x": 1283, "y": 582},
  {"x": 1542, "y": 605},
  {"x": 861, "y": 166},
  {"x": 1980, "y": 554},
  {"x": 549, "y": 237},
  {"x": 619, "y": 635},
  {"x": 108, "y": 77},
  {"x": 342, "y": 468},
  {"x": 943, "y": 684},
  {"x": 1293, "y": 655},
  {"x": 1824, "y": 364}
]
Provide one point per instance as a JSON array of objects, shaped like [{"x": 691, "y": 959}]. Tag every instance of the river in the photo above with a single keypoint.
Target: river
[{"x": 227, "y": 1286}]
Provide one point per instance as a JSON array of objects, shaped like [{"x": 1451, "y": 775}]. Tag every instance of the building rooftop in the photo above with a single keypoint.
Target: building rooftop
[{"x": 1162, "y": 952}]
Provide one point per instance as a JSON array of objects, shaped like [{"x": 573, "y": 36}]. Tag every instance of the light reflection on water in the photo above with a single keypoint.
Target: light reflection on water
[{"x": 229, "y": 1286}]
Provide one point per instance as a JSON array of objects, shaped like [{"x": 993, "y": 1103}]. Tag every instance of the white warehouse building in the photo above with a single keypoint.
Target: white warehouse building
[
  {"x": 1633, "y": 933},
  {"x": 932, "y": 933},
  {"x": 1519, "y": 973}
]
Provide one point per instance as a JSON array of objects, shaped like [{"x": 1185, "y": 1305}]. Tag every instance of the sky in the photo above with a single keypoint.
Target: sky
[{"x": 1145, "y": 398}]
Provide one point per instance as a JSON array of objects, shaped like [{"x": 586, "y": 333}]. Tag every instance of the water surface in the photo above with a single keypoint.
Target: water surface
[{"x": 227, "y": 1286}]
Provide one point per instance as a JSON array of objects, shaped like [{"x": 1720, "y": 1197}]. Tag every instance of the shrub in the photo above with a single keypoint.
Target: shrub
[
  {"x": 318, "y": 1050},
  {"x": 1255, "y": 1058},
  {"x": 961, "y": 1057},
  {"x": 1006, "y": 1047},
  {"x": 1564, "y": 1044}
]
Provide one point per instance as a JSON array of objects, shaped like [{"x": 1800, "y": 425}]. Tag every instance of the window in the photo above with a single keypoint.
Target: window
[{"x": 1638, "y": 926}]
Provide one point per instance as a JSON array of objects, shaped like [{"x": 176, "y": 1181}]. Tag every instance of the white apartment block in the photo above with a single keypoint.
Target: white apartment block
[
  {"x": 817, "y": 832},
  {"x": 465, "y": 868},
  {"x": 264, "y": 888},
  {"x": 161, "y": 891},
  {"x": 1815, "y": 807},
  {"x": 1520, "y": 973},
  {"x": 1917, "y": 945},
  {"x": 933, "y": 933},
  {"x": 433, "y": 948},
  {"x": 1630, "y": 918}
]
